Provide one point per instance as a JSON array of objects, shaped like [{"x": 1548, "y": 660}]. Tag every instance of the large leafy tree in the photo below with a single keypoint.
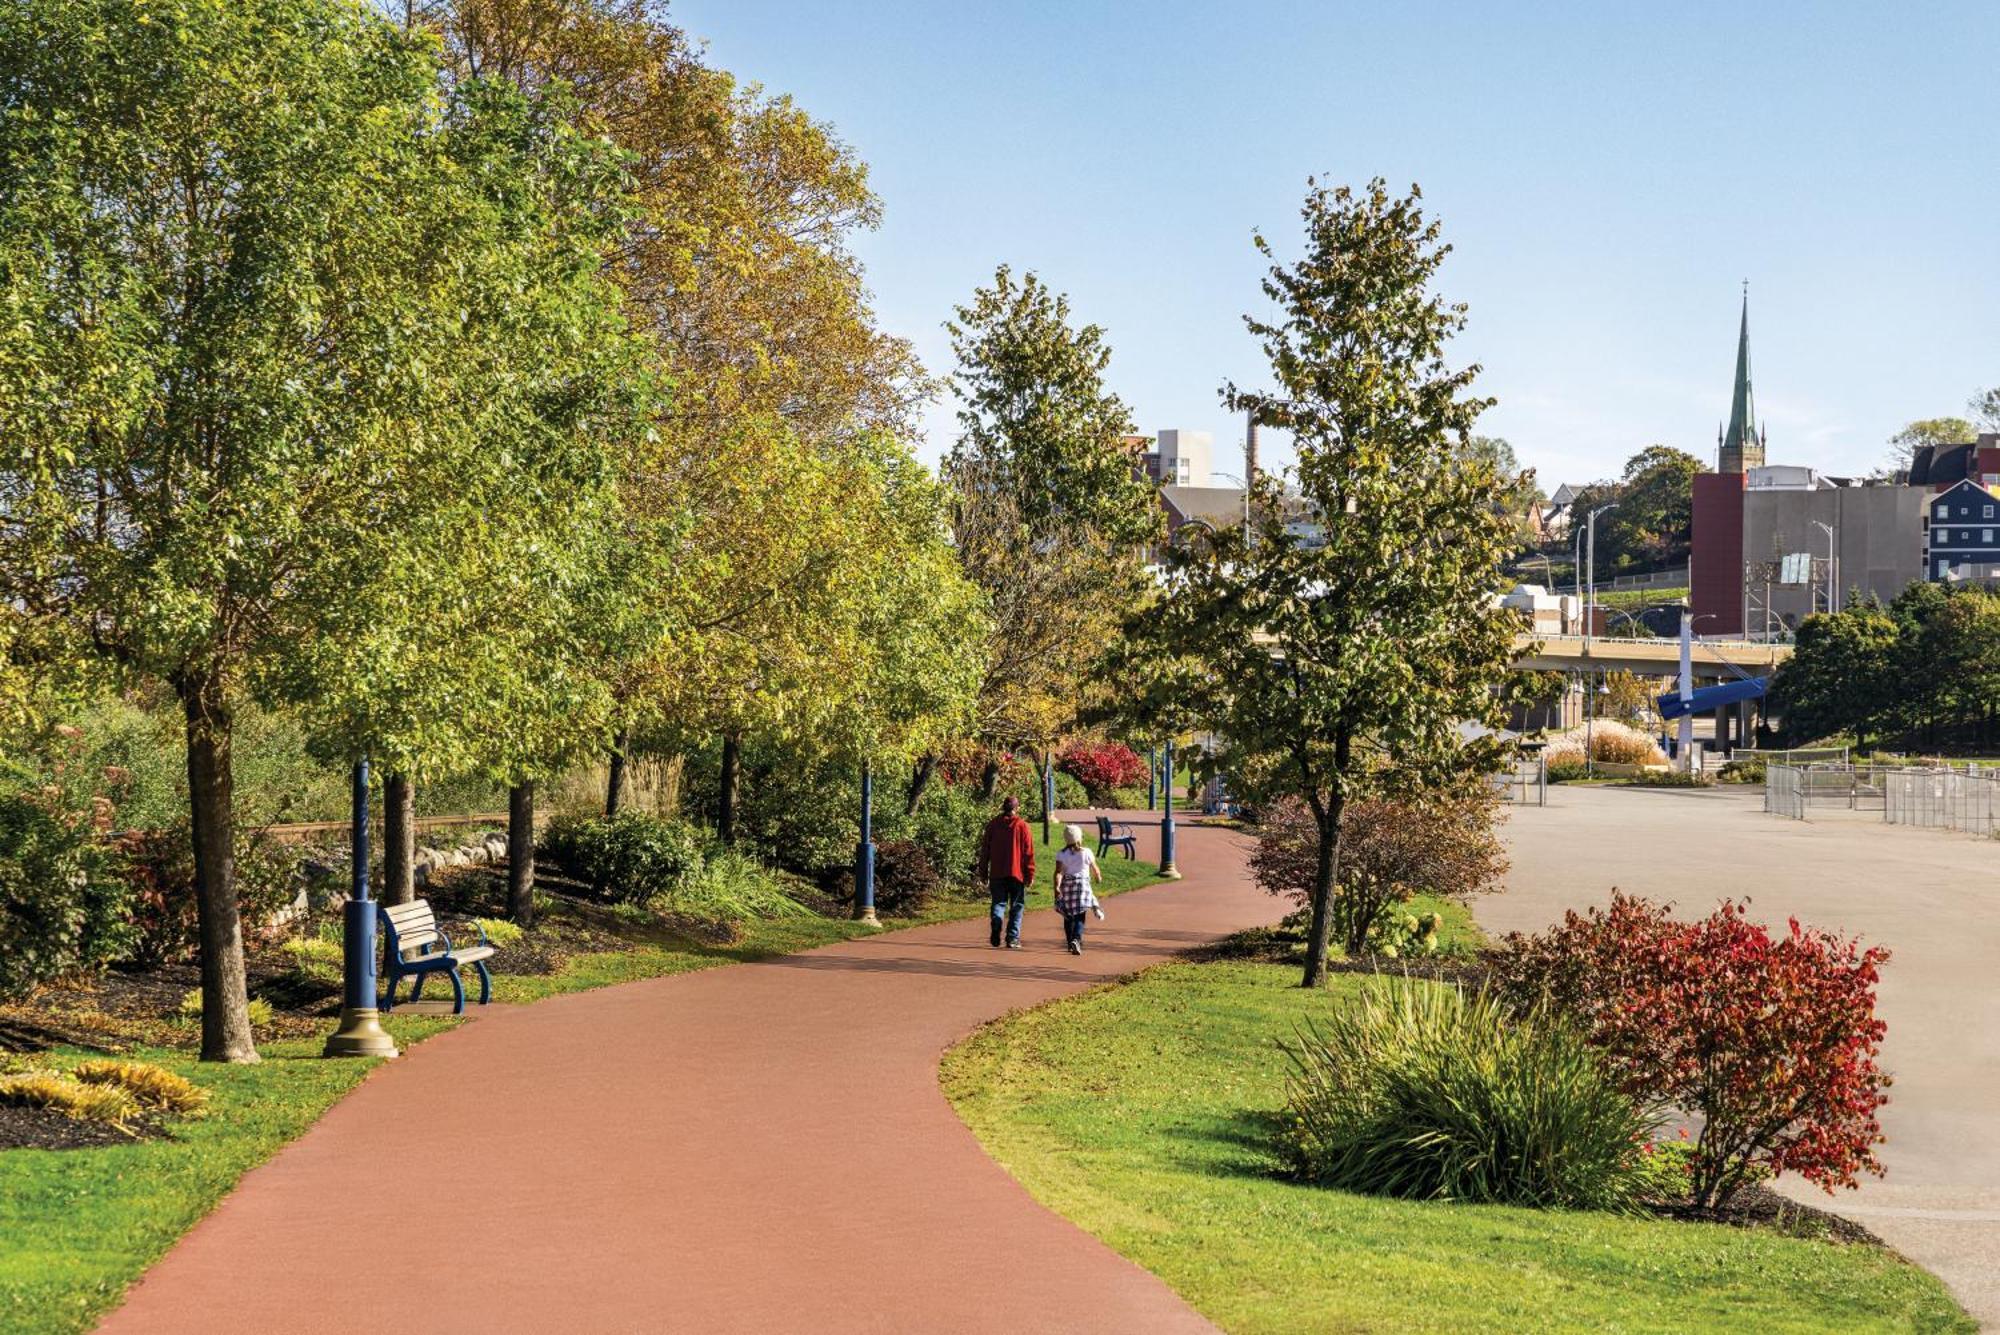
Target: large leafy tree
[
  {"x": 1840, "y": 677},
  {"x": 1052, "y": 516},
  {"x": 1339, "y": 663},
  {"x": 257, "y": 351}
]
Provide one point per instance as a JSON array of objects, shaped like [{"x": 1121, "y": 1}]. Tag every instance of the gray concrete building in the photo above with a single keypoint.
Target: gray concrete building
[{"x": 1877, "y": 543}]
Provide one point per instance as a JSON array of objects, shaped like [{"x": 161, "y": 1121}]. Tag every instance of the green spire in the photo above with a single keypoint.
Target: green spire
[{"x": 1742, "y": 432}]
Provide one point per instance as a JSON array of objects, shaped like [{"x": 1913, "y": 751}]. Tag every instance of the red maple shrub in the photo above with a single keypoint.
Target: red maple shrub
[
  {"x": 1769, "y": 1040},
  {"x": 1102, "y": 766}
]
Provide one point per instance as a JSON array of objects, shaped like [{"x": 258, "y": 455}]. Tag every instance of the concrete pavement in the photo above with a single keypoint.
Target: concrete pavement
[{"x": 1931, "y": 896}]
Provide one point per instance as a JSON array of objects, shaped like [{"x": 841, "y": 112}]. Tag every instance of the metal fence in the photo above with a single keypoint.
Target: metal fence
[
  {"x": 1965, "y": 798},
  {"x": 1525, "y": 783}
]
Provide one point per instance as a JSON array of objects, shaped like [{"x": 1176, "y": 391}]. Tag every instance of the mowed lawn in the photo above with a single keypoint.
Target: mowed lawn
[
  {"x": 78, "y": 1226},
  {"x": 1141, "y": 1111}
]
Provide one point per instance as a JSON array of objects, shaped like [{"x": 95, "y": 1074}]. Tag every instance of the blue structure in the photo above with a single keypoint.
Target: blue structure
[
  {"x": 1167, "y": 867},
  {"x": 418, "y": 947},
  {"x": 360, "y": 1033},
  {"x": 1964, "y": 531},
  {"x": 1706, "y": 698},
  {"x": 864, "y": 852}
]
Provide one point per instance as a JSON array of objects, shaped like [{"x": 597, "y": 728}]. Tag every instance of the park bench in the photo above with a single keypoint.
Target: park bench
[
  {"x": 1111, "y": 836},
  {"x": 416, "y": 947}
]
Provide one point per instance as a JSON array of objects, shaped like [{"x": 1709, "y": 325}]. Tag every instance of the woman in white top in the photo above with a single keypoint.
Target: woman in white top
[{"x": 1076, "y": 872}]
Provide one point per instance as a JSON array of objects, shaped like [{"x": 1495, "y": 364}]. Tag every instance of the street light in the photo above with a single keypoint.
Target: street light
[
  {"x": 1832, "y": 556},
  {"x": 864, "y": 852},
  {"x": 1590, "y": 549},
  {"x": 360, "y": 1033},
  {"x": 1168, "y": 871}
]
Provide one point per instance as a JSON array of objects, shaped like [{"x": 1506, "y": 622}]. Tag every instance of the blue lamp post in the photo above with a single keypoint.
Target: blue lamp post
[
  {"x": 864, "y": 852},
  {"x": 1167, "y": 867},
  {"x": 1048, "y": 793},
  {"x": 360, "y": 1033},
  {"x": 1152, "y": 778}
]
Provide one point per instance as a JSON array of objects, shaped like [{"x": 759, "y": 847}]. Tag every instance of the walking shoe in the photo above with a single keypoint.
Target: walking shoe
[
  {"x": 1076, "y": 947},
  {"x": 1013, "y": 945}
]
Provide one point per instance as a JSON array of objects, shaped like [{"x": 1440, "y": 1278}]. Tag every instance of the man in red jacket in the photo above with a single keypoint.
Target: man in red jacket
[{"x": 1007, "y": 864}]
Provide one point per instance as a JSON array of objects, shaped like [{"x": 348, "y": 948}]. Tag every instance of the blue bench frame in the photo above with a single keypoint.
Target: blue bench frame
[
  {"x": 434, "y": 954},
  {"x": 1108, "y": 838}
]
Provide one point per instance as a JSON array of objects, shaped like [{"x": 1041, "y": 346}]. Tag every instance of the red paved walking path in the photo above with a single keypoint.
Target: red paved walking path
[{"x": 761, "y": 1147}]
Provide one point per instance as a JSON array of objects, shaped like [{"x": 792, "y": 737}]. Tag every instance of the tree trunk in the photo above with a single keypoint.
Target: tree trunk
[
  {"x": 920, "y": 779},
  {"x": 725, "y": 802},
  {"x": 1324, "y": 872},
  {"x": 521, "y": 853},
  {"x": 614, "y": 786},
  {"x": 399, "y": 839},
  {"x": 989, "y": 779},
  {"x": 225, "y": 1001}
]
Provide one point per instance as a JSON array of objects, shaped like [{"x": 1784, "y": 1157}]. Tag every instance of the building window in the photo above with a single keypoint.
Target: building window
[
  {"x": 1964, "y": 512},
  {"x": 1940, "y": 570},
  {"x": 1985, "y": 512},
  {"x": 1944, "y": 512},
  {"x": 1986, "y": 535}
]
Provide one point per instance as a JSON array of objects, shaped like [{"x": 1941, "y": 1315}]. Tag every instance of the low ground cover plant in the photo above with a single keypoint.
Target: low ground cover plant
[
  {"x": 56, "y": 1092},
  {"x": 1768, "y": 1040},
  {"x": 1608, "y": 742},
  {"x": 1672, "y": 778},
  {"x": 629, "y": 858},
  {"x": 154, "y": 1088},
  {"x": 1427, "y": 1091}
]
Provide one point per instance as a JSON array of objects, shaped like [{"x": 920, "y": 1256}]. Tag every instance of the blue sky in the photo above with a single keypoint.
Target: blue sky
[{"x": 1608, "y": 174}]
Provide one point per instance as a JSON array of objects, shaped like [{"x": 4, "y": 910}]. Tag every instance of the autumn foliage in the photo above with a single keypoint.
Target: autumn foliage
[
  {"x": 1102, "y": 766},
  {"x": 1769, "y": 1040}
]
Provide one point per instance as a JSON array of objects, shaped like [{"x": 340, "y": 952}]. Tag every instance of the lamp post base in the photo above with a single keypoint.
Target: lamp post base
[
  {"x": 867, "y": 915},
  {"x": 360, "y": 1035}
]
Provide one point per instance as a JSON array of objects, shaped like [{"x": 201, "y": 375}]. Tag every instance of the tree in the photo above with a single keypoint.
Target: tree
[
  {"x": 1520, "y": 497},
  {"x": 1340, "y": 665},
  {"x": 1654, "y": 521},
  {"x": 1928, "y": 432},
  {"x": 1985, "y": 409},
  {"x": 1841, "y": 677},
  {"x": 255, "y": 348},
  {"x": 1052, "y": 515}
]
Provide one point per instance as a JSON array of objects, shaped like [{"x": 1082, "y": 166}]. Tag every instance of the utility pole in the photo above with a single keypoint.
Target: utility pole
[{"x": 1832, "y": 555}]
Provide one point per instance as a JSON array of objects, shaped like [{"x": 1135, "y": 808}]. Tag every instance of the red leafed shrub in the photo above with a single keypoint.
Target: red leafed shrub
[
  {"x": 1102, "y": 766},
  {"x": 1769, "y": 1039}
]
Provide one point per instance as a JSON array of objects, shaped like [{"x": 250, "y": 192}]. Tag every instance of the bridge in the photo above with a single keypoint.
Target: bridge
[{"x": 1712, "y": 658}]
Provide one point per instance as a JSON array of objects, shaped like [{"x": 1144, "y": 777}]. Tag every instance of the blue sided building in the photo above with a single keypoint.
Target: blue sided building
[{"x": 1964, "y": 537}]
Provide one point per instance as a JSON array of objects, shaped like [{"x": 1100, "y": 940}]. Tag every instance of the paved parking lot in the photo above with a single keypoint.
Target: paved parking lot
[{"x": 1932, "y": 897}]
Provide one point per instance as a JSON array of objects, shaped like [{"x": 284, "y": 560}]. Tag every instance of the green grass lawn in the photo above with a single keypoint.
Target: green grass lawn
[
  {"x": 78, "y": 1226},
  {"x": 1141, "y": 1112}
]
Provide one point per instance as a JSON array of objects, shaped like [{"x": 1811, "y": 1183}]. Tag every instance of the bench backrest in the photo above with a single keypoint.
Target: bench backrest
[
  {"x": 1104, "y": 827},
  {"x": 413, "y": 929}
]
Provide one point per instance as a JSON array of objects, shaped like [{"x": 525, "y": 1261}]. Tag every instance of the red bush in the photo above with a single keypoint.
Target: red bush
[
  {"x": 1771, "y": 1041},
  {"x": 1102, "y": 766}
]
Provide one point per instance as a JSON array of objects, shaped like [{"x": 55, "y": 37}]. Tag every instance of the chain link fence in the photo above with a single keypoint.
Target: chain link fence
[{"x": 1964, "y": 798}]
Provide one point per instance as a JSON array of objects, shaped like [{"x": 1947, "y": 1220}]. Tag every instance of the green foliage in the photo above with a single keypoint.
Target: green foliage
[
  {"x": 1672, "y": 778},
  {"x": 1419, "y": 1090},
  {"x": 946, "y": 826},
  {"x": 1343, "y": 660},
  {"x": 500, "y": 932},
  {"x": 1568, "y": 771},
  {"x": 1653, "y": 523},
  {"x": 190, "y": 1008},
  {"x": 727, "y": 890},
  {"x": 63, "y": 905},
  {"x": 316, "y": 958},
  {"x": 160, "y": 871},
  {"x": 1742, "y": 771},
  {"x": 1932, "y": 432},
  {"x": 1051, "y": 516},
  {"x": 630, "y": 858}
]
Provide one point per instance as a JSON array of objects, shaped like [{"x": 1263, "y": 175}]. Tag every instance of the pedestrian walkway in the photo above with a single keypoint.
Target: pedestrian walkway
[{"x": 761, "y": 1147}]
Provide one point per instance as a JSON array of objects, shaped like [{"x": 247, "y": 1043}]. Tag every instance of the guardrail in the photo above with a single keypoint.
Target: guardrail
[{"x": 299, "y": 831}]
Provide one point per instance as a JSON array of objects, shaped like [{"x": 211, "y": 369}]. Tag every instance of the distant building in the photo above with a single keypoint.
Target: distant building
[
  {"x": 1739, "y": 446},
  {"x": 1180, "y": 458},
  {"x": 1715, "y": 564},
  {"x": 1964, "y": 522},
  {"x": 1556, "y": 514},
  {"x": 1545, "y": 613},
  {"x": 1876, "y": 548}
]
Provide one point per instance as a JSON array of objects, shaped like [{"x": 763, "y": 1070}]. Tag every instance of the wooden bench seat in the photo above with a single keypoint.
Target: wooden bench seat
[{"x": 415, "y": 947}]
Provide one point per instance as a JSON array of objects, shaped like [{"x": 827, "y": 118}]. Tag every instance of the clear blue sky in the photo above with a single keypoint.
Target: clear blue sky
[{"x": 1608, "y": 174}]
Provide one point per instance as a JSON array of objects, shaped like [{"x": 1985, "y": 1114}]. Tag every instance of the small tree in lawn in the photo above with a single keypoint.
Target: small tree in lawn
[
  {"x": 1342, "y": 663},
  {"x": 1769, "y": 1039}
]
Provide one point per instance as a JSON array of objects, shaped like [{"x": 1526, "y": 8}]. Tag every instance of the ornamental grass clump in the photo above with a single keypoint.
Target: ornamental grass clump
[
  {"x": 1425, "y": 1091},
  {"x": 154, "y": 1088},
  {"x": 84, "y": 1102}
]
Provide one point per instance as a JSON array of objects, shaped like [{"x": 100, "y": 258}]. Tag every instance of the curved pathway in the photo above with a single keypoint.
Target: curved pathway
[{"x": 761, "y": 1147}]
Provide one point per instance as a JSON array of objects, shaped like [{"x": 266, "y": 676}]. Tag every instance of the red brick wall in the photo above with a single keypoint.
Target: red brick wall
[{"x": 1715, "y": 567}]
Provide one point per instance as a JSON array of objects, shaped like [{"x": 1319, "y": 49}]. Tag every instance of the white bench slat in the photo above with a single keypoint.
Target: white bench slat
[{"x": 402, "y": 914}]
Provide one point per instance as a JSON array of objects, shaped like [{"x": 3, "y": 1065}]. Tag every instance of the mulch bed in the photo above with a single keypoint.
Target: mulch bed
[
  {"x": 44, "y": 1129},
  {"x": 1758, "y": 1206}
]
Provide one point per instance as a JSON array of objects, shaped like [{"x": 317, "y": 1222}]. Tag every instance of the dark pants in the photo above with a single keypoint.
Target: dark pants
[
  {"x": 1010, "y": 900},
  {"x": 1073, "y": 927}
]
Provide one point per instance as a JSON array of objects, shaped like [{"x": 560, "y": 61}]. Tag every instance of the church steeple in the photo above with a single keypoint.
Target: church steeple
[{"x": 1741, "y": 446}]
